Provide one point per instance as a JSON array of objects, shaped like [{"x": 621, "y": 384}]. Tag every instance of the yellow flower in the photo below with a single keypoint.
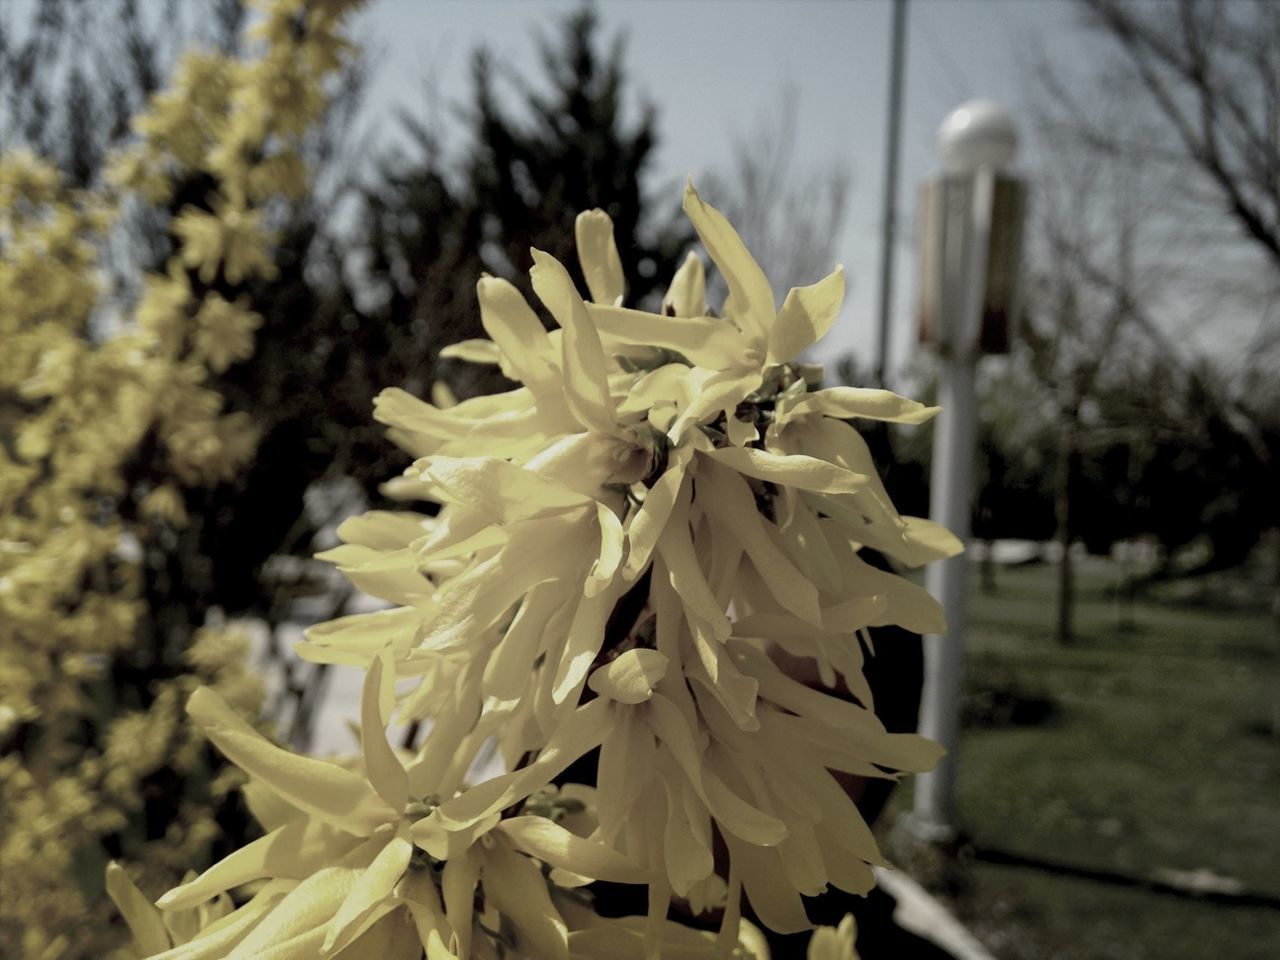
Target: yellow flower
[
  {"x": 224, "y": 332},
  {"x": 162, "y": 314},
  {"x": 80, "y": 388},
  {"x": 210, "y": 449},
  {"x": 682, "y": 467},
  {"x": 834, "y": 943},
  {"x": 726, "y": 358},
  {"x": 622, "y": 541},
  {"x": 181, "y": 121},
  {"x": 230, "y": 239},
  {"x": 353, "y": 857},
  {"x": 154, "y": 932},
  {"x": 165, "y": 503}
]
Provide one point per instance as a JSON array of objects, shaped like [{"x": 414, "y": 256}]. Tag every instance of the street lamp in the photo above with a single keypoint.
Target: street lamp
[{"x": 970, "y": 244}]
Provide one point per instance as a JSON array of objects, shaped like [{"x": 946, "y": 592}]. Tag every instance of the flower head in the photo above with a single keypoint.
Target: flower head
[{"x": 623, "y": 543}]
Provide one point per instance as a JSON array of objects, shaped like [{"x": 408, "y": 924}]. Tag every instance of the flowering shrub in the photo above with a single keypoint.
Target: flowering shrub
[
  {"x": 95, "y": 758},
  {"x": 623, "y": 542}
]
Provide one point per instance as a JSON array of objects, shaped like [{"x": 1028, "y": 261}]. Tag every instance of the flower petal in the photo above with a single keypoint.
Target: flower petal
[
  {"x": 750, "y": 296},
  {"x": 516, "y": 887},
  {"x": 612, "y": 539},
  {"x": 538, "y": 551},
  {"x": 687, "y": 854},
  {"x": 934, "y": 538},
  {"x": 806, "y": 315},
  {"x": 301, "y": 915},
  {"x": 631, "y": 677},
  {"x": 834, "y": 943},
  {"x": 391, "y": 935},
  {"x": 557, "y": 847},
  {"x": 626, "y": 759},
  {"x": 499, "y": 489},
  {"x": 373, "y": 886},
  {"x": 724, "y": 681},
  {"x": 847, "y": 402},
  {"x": 684, "y": 570},
  {"x": 739, "y": 432},
  {"x": 598, "y": 256},
  {"x": 703, "y": 341},
  {"x": 216, "y": 940},
  {"x": 645, "y": 527},
  {"x": 796, "y": 470},
  {"x": 687, "y": 295},
  {"x": 738, "y": 817},
  {"x": 719, "y": 393},
  {"x": 909, "y": 605},
  {"x": 728, "y": 500},
  {"x": 417, "y": 888},
  {"x": 436, "y": 950},
  {"x": 473, "y": 351},
  {"x": 519, "y": 334},
  {"x": 458, "y": 890},
  {"x": 336, "y": 796},
  {"x": 586, "y": 633},
  {"x": 384, "y": 529},
  {"x": 583, "y": 362},
  {"x": 144, "y": 920},
  {"x": 292, "y": 852},
  {"x": 580, "y": 733},
  {"x": 542, "y": 613},
  {"x": 399, "y": 408},
  {"x": 356, "y": 639},
  {"x": 382, "y": 765},
  {"x": 774, "y": 900}
]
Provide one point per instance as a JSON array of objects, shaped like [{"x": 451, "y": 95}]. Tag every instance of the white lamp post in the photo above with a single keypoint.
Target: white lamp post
[{"x": 970, "y": 243}]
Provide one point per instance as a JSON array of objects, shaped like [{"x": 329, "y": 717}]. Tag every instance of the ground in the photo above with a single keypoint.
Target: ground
[{"x": 1101, "y": 780}]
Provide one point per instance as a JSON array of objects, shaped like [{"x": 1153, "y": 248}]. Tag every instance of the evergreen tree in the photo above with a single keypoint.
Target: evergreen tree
[{"x": 435, "y": 223}]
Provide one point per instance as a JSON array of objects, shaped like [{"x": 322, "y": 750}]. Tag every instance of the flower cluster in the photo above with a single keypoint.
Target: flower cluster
[{"x": 624, "y": 542}]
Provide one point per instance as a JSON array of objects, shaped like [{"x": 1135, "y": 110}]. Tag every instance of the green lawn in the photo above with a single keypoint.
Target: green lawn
[{"x": 1153, "y": 757}]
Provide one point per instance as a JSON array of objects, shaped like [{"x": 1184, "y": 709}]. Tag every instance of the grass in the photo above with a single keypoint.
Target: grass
[{"x": 1154, "y": 757}]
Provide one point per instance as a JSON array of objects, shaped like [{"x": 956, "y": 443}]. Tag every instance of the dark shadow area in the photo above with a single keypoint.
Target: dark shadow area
[
  {"x": 878, "y": 935},
  {"x": 1147, "y": 640},
  {"x": 1243, "y": 899},
  {"x": 1007, "y": 705},
  {"x": 1261, "y": 729}
]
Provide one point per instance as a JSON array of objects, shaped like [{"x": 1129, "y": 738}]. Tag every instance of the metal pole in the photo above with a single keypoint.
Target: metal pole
[
  {"x": 890, "y": 209},
  {"x": 951, "y": 486},
  {"x": 951, "y": 502}
]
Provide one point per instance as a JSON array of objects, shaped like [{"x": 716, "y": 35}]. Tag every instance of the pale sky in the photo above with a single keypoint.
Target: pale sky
[{"x": 714, "y": 67}]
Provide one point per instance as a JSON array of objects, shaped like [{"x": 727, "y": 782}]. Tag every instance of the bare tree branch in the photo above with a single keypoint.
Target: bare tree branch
[
  {"x": 790, "y": 217},
  {"x": 1230, "y": 139}
]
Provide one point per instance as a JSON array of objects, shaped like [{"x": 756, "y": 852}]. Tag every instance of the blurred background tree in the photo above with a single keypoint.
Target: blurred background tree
[
  {"x": 433, "y": 220},
  {"x": 1140, "y": 399},
  {"x": 1205, "y": 77},
  {"x": 119, "y": 429},
  {"x": 1172, "y": 275}
]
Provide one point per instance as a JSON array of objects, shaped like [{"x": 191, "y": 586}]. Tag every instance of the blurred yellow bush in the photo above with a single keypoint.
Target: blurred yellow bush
[{"x": 96, "y": 760}]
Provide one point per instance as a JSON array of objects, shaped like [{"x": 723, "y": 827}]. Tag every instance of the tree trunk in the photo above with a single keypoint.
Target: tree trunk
[
  {"x": 1125, "y": 593},
  {"x": 1126, "y": 586},
  {"x": 988, "y": 568},
  {"x": 1275, "y": 616},
  {"x": 1067, "y": 456}
]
